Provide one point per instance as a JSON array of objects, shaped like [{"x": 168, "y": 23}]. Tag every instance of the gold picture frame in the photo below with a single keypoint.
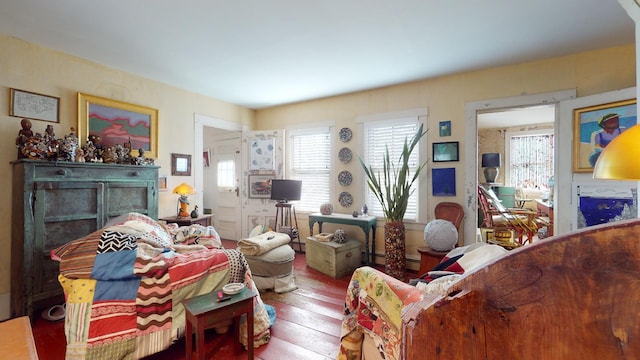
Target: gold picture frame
[
  {"x": 118, "y": 122},
  {"x": 588, "y": 141}
]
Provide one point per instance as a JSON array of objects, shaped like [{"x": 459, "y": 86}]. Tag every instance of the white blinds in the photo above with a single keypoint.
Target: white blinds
[
  {"x": 311, "y": 163},
  {"x": 392, "y": 134},
  {"x": 531, "y": 160}
]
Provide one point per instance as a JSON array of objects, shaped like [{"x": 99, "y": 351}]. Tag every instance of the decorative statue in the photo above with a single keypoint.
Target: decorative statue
[
  {"x": 23, "y": 136},
  {"x": 194, "y": 213},
  {"x": 89, "y": 152},
  {"x": 79, "y": 155},
  {"x": 49, "y": 134},
  {"x": 68, "y": 147},
  {"x": 122, "y": 154},
  {"x": 109, "y": 155},
  {"x": 141, "y": 159}
]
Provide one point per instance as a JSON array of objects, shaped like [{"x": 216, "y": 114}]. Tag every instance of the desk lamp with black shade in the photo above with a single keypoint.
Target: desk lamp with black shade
[{"x": 491, "y": 163}]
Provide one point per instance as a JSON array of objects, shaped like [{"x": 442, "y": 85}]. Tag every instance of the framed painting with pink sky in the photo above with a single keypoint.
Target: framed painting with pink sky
[{"x": 118, "y": 122}]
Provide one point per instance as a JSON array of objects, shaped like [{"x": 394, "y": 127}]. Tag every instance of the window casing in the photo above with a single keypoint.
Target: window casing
[
  {"x": 310, "y": 161},
  {"x": 392, "y": 134}
]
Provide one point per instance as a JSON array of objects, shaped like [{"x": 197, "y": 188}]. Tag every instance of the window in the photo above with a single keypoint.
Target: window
[
  {"x": 378, "y": 136},
  {"x": 530, "y": 158},
  {"x": 226, "y": 173},
  {"x": 310, "y": 161}
]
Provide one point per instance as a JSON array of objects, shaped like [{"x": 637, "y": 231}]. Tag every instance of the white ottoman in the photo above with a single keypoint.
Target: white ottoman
[{"x": 273, "y": 269}]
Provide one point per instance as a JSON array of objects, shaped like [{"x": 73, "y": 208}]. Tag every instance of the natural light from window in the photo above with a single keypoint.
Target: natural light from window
[
  {"x": 530, "y": 159},
  {"x": 226, "y": 173}
]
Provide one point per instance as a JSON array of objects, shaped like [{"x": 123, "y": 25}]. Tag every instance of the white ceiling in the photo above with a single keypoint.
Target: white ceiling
[{"x": 259, "y": 53}]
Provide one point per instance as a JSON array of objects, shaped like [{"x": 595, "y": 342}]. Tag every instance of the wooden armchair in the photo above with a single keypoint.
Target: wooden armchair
[{"x": 522, "y": 223}]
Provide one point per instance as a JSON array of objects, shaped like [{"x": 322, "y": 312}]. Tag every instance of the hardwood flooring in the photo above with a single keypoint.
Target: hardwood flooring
[{"x": 307, "y": 325}]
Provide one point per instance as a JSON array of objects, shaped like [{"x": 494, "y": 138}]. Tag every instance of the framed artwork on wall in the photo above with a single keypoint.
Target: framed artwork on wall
[
  {"x": 443, "y": 182},
  {"x": 445, "y": 151},
  {"x": 118, "y": 122},
  {"x": 34, "y": 106},
  {"x": 206, "y": 156},
  {"x": 595, "y": 126},
  {"x": 180, "y": 164},
  {"x": 260, "y": 186},
  {"x": 162, "y": 183},
  {"x": 445, "y": 128},
  {"x": 262, "y": 154}
]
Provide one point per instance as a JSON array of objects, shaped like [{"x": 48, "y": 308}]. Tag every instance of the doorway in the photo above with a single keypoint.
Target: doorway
[
  {"x": 517, "y": 133},
  {"x": 222, "y": 140},
  {"x": 471, "y": 168}
]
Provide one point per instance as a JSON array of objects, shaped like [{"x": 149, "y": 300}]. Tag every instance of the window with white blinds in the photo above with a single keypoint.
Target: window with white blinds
[
  {"x": 310, "y": 161},
  {"x": 530, "y": 159},
  {"x": 392, "y": 134}
]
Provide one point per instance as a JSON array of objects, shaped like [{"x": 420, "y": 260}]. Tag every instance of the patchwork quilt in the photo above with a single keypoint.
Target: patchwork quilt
[
  {"x": 374, "y": 305},
  {"x": 124, "y": 285}
]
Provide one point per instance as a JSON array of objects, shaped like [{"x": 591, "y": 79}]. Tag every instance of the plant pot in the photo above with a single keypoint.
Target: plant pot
[{"x": 394, "y": 249}]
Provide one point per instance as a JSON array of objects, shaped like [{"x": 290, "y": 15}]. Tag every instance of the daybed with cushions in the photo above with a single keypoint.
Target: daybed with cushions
[
  {"x": 567, "y": 297},
  {"x": 124, "y": 285}
]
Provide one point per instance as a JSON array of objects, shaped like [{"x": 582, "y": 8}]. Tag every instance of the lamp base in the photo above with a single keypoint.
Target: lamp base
[
  {"x": 490, "y": 174},
  {"x": 182, "y": 210}
]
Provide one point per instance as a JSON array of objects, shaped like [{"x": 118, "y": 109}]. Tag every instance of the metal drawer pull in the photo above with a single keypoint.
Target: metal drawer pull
[
  {"x": 349, "y": 254},
  {"x": 62, "y": 172},
  {"x": 135, "y": 173}
]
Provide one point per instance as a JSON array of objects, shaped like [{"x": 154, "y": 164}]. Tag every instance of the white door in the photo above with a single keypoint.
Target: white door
[
  {"x": 226, "y": 196},
  {"x": 262, "y": 159}
]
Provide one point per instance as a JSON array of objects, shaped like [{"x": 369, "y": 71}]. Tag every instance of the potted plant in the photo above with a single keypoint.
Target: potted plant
[{"x": 392, "y": 188}]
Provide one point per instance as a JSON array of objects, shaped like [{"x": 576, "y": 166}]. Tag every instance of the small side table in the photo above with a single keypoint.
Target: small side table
[
  {"x": 205, "y": 310},
  {"x": 429, "y": 258},
  {"x": 204, "y": 220}
]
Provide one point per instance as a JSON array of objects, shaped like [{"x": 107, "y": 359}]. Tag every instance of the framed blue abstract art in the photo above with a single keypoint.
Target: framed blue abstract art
[
  {"x": 443, "y": 181},
  {"x": 605, "y": 203}
]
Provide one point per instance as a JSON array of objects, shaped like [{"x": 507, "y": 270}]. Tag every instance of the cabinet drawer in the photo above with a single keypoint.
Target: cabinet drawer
[{"x": 103, "y": 172}]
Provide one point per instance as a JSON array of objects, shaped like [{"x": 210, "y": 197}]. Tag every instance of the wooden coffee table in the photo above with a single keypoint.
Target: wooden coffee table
[{"x": 204, "y": 311}]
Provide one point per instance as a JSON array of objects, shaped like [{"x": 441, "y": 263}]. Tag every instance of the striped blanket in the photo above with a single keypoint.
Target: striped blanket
[{"x": 124, "y": 285}]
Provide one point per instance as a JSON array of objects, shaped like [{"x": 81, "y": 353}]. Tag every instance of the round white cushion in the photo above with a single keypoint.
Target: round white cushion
[{"x": 440, "y": 235}]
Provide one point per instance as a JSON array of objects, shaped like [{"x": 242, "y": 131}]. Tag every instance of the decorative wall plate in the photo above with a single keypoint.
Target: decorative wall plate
[
  {"x": 345, "y": 155},
  {"x": 345, "y": 134},
  {"x": 345, "y": 199},
  {"x": 345, "y": 178}
]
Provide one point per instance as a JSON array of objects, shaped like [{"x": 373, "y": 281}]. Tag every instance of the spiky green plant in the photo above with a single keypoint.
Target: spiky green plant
[{"x": 393, "y": 187}]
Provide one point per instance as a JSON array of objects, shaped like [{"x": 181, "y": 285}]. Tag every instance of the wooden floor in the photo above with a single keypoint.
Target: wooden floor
[{"x": 307, "y": 324}]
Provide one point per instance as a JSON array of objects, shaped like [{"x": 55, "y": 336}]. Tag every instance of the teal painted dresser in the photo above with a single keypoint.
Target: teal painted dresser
[{"x": 57, "y": 202}]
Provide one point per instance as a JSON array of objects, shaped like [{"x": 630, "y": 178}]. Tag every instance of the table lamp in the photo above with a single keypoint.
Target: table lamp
[
  {"x": 491, "y": 162},
  {"x": 184, "y": 190},
  {"x": 619, "y": 159}
]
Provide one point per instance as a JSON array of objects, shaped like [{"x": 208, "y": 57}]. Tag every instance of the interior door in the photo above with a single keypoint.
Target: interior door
[
  {"x": 223, "y": 178},
  {"x": 262, "y": 159}
]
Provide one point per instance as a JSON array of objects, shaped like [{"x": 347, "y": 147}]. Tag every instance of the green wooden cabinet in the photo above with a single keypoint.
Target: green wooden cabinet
[
  {"x": 54, "y": 203},
  {"x": 507, "y": 194}
]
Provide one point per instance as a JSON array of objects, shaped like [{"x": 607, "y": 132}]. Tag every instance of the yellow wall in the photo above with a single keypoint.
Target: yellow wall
[
  {"x": 445, "y": 97},
  {"x": 33, "y": 68}
]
